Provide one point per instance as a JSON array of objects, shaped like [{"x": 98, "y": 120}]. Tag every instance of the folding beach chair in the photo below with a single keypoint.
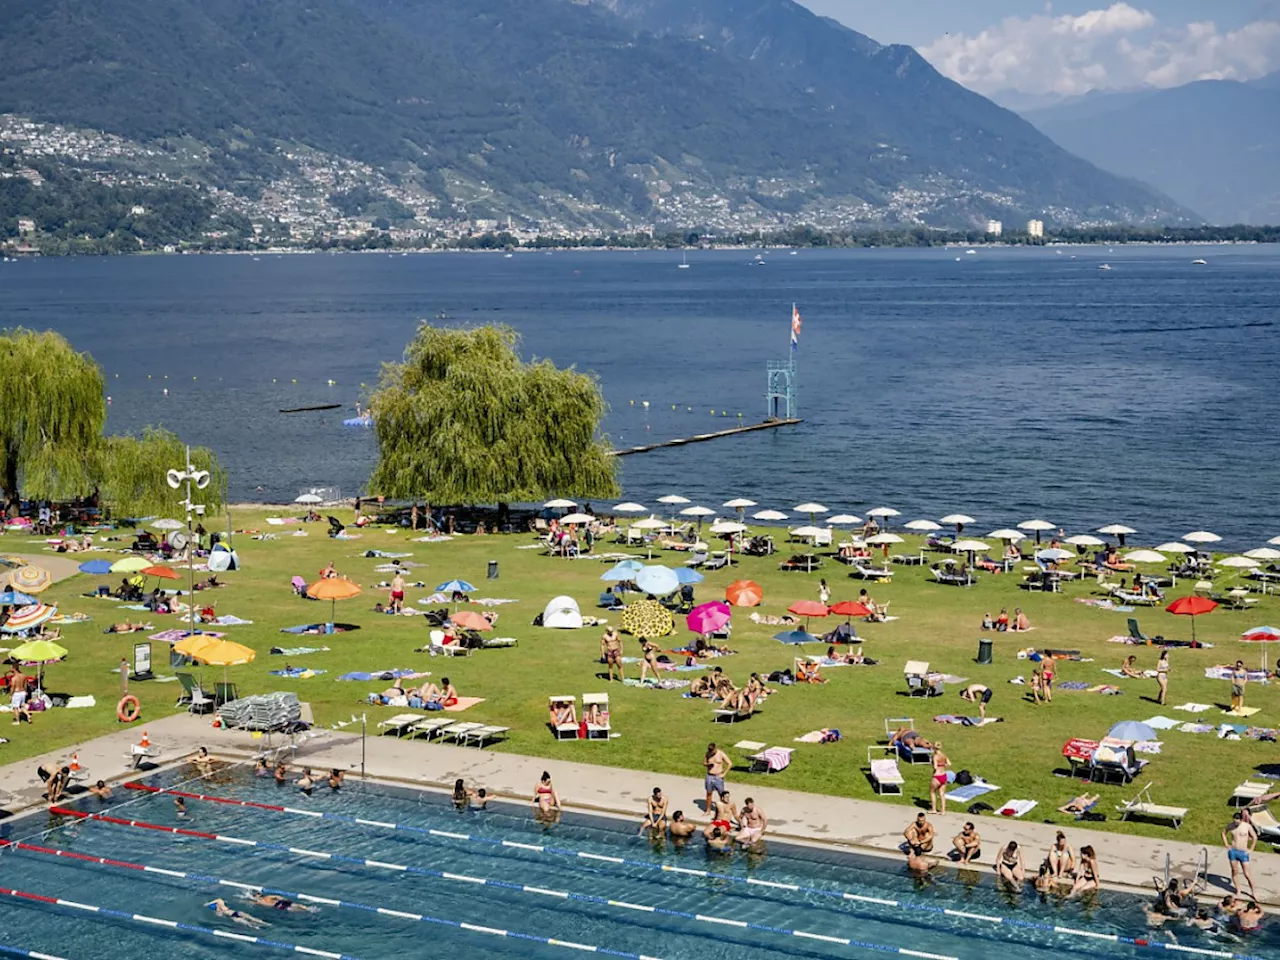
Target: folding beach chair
[
  {"x": 428, "y": 726},
  {"x": 484, "y": 734},
  {"x": 457, "y": 731},
  {"x": 908, "y": 753},
  {"x": 563, "y": 731},
  {"x": 400, "y": 722},
  {"x": 1138, "y": 807},
  {"x": 597, "y": 731}
]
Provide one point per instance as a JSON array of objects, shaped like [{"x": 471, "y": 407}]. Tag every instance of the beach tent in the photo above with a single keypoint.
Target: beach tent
[
  {"x": 220, "y": 559},
  {"x": 562, "y": 613}
]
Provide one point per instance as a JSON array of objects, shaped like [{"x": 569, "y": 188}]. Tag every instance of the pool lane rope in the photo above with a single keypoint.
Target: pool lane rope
[
  {"x": 624, "y": 905},
  {"x": 508, "y": 846},
  {"x": 33, "y": 954}
]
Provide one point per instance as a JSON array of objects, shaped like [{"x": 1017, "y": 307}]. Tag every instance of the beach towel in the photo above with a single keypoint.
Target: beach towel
[
  {"x": 1161, "y": 723},
  {"x": 493, "y": 601},
  {"x": 435, "y": 598},
  {"x": 972, "y": 791},
  {"x": 1194, "y": 707},
  {"x": 1073, "y": 685},
  {"x": 319, "y": 628},
  {"x": 1116, "y": 673},
  {"x": 173, "y": 636},
  {"x": 297, "y": 651},
  {"x": 75, "y": 703},
  {"x": 61, "y": 618},
  {"x": 1231, "y": 731},
  {"x": 664, "y": 684},
  {"x": 464, "y": 703},
  {"x": 966, "y": 721},
  {"x": 394, "y": 674},
  {"x": 813, "y": 736},
  {"x": 1196, "y": 728},
  {"x": 383, "y": 555},
  {"x": 442, "y": 538},
  {"x": 777, "y": 758},
  {"x": 1105, "y": 688},
  {"x": 1148, "y": 746},
  {"x": 1017, "y": 808},
  {"x": 297, "y": 673},
  {"x": 1242, "y": 712},
  {"x": 228, "y": 620}
]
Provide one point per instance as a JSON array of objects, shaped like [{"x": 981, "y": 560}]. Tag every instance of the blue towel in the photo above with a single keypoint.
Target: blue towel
[
  {"x": 295, "y": 672},
  {"x": 376, "y": 675},
  {"x": 972, "y": 791}
]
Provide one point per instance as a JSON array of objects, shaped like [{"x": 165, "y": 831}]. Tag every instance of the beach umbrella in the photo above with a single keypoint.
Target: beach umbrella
[
  {"x": 192, "y": 644},
  {"x": 96, "y": 567},
  {"x": 1263, "y": 635},
  {"x": 657, "y": 581},
  {"x": 849, "y": 609},
  {"x": 709, "y": 617},
  {"x": 1117, "y": 530},
  {"x": 807, "y": 609},
  {"x": 1263, "y": 553},
  {"x": 884, "y": 538},
  {"x": 648, "y": 619},
  {"x": 1145, "y": 556},
  {"x": 629, "y": 507},
  {"x": 688, "y": 575},
  {"x": 1083, "y": 540},
  {"x": 812, "y": 509},
  {"x": 883, "y": 512},
  {"x": 843, "y": 518},
  {"x": 309, "y": 499},
  {"x": 744, "y": 593},
  {"x": 452, "y": 586},
  {"x": 470, "y": 620},
  {"x": 1274, "y": 541},
  {"x": 38, "y": 653},
  {"x": 29, "y": 617},
  {"x": 621, "y": 572},
  {"x": 1007, "y": 534},
  {"x": 333, "y": 589},
  {"x": 1053, "y": 554},
  {"x": 740, "y": 504},
  {"x": 170, "y": 524},
  {"x": 130, "y": 565},
  {"x": 1201, "y": 536},
  {"x": 796, "y": 636},
  {"x": 31, "y": 579},
  {"x": 1173, "y": 546},
  {"x": 163, "y": 573},
  {"x": 774, "y": 515},
  {"x": 577, "y": 518},
  {"x": 1240, "y": 563},
  {"x": 559, "y": 504},
  {"x": 807, "y": 532},
  {"x": 225, "y": 654},
  {"x": 970, "y": 546},
  {"x": 1192, "y": 607},
  {"x": 959, "y": 519},
  {"x": 728, "y": 526},
  {"x": 673, "y": 499},
  {"x": 922, "y": 526},
  {"x": 698, "y": 512},
  {"x": 15, "y": 598},
  {"x": 1036, "y": 526},
  {"x": 649, "y": 523},
  {"x": 1132, "y": 730}
]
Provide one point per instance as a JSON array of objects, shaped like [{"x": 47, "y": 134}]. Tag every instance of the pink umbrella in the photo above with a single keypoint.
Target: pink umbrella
[
  {"x": 1262, "y": 635},
  {"x": 709, "y": 617}
]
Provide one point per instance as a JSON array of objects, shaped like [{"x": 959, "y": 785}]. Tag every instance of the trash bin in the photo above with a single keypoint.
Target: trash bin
[
  {"x": 984, "y": 650},
  {"x": 493, "y": 569}
]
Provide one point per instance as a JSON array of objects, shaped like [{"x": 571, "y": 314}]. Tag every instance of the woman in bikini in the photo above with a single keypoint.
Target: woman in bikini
[
  {"x": 1046, "y": 678},
  {"x": 1162, "y": 675},
  {"x": 938, "y": 785},
  {"x": 1061, "y": 857},
  {"x": 545, "y": 798},
  {"x": 1129, "y": 668},
  {"x": 1087, "y": 873},
  {"x": 1009, "y": 866},
  {"x": 650, "y": 651}
]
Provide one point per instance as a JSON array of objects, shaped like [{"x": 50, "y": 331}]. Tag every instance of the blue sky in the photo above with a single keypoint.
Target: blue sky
[{"x": 1068, "y": 47}]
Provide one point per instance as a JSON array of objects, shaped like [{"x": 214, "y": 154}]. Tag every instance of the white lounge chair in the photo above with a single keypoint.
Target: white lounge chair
[
  {"x": 428, "y": 725},
  {"x": 1138, "y": 807},
  {"x": 1265, "y": 822},
  {"x": 447, "y": 649},
  {"x": 885, "y": 775},
  {"x": 400, "y": 723},
  {"x": 564, "y": 731},
  {"x": 485, "y": 733},
  {"x": 597, "y": 731},
  {"x": 458, "y": 731},
  {"x": 912, "y": 755},
  {"x": 759, "y": 763},
  {"x": 1249, "y": 791}
]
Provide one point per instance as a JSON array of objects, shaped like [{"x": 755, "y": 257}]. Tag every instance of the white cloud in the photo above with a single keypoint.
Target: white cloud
[{"x": 1112, "y": 48}]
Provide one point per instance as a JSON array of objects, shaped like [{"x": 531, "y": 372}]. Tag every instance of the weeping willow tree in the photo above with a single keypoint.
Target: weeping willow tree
[
  {"x": 52, "y": 410},
  {"x": 464, "y": 420},
  {"x": 131, "y": 473}
]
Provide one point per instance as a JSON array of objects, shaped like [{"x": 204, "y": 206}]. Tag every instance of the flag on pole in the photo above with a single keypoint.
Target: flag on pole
[{"x": 795, "y": 328}]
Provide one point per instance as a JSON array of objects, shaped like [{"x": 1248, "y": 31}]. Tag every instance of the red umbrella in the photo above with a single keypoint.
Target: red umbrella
[
  {"x": 164, "y": 573},
  {"x": 807, "y": 609},
  {"x": 744, "y": 593},
  {"x": 1191, "y": 607},
  {"x": 850, "y": 608},
  {"x": 1262, "y": 635}
]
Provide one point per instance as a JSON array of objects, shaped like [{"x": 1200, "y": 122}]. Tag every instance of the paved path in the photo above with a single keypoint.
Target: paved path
[{"x": 867, "y": 827}]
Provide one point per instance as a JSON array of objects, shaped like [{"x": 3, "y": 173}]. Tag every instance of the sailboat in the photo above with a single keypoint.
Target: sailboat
[{"x": 684, "y": 262}]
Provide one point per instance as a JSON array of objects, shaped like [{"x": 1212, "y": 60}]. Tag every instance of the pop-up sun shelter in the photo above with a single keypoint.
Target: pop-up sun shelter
[{"x": 562, "y": 613}]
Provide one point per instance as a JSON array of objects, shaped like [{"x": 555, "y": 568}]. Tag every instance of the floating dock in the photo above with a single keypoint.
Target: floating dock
[{"x": 703, "y": 437}]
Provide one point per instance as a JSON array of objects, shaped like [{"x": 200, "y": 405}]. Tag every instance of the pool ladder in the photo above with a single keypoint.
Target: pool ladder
[{"x": 1200, "y": 879}]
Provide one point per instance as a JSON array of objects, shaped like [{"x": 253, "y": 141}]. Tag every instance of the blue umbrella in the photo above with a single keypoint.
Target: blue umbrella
[
  {"x": 456, "y": 586},
  {"x": 657, "y": 581},
  {"x": 618, "y": 575},
  {"x": 688, "y": 575},
  {"x": 796, "y": 636},
  {"x": 1132, "y": 730},
  {"x": 12, "y": 598},
  {"x": 97, "y": 567}
]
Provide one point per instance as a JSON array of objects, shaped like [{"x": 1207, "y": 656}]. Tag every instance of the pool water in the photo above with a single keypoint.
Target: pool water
[{"x": 704, "y": 917}]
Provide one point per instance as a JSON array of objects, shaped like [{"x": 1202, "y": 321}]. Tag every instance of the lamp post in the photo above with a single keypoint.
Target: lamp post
[{"x": 199, "y": 479}]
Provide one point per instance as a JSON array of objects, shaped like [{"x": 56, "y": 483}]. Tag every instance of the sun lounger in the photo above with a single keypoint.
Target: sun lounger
[
  {"x": 457, "y": 731},
  {"x": 864, "y": 571},
  {"x": 1265, "y": 822},
  {"x": 731, "y": 716},
  {"x": 400, "y": 723},
  {"x": 1138, "y": 807},
  {"x": 1114, "y": 760},
  {"x": 447, "y": 649},
  {"x": 910, "y": 754},
  {"x": 1249, "y": 791},
  {"x": 597, "y": 731},
  {"x": 765, "y": 759},
  {"x": 885, "y": 775},
  {"x": 480, "y": 736},
  {"x": 919, "y": 682},
  {"x": 428, "y": 726},
  {"x": 563, "y": 731}
]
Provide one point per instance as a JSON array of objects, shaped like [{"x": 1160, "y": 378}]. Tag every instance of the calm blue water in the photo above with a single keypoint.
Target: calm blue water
[
  {"x": 370, "y": 936},
  {"x": 1010, "y": 384}
]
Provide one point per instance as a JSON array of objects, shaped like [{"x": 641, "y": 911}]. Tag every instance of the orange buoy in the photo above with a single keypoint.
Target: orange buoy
[{"x": 128, "y": 710}]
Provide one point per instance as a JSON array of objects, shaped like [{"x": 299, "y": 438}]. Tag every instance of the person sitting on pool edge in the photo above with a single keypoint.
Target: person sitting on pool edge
[
  {"x": 919, "y": 835},
  {"x": 655, "y": 817},
  {"x": 968, "y": 844}
]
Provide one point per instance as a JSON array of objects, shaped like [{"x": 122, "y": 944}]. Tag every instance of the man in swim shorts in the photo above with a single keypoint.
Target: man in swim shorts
[
  {"x": 1240, "y": 838},
  {"x": 977, "y": 693},
  {"x": 716, "y": 763},
  {"x": 919, "y": 834},
  {"x": 611, "y": 652},
  {"x": 396, "y": 600},
  {"x": 276, "y": 902},
  {"x": 754, "y": 824}
]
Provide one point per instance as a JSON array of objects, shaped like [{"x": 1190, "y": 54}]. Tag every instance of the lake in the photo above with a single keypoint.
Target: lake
[{"x": 1007, "y": 384}]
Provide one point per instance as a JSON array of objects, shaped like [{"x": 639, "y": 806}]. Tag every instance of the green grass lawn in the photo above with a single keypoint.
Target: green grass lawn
[{"x": 661, "y": 730}]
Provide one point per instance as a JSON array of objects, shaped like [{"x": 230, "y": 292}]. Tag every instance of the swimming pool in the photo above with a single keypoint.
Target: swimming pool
[{"x": 400, "y": 871}]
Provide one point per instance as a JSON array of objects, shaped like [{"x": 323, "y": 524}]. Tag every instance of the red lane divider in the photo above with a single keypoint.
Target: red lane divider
[
  {"x": 200, "y": 796},
  {"x": 70, "y": 855},
  {"x": 79, "y": 815},
  {"x": 28, "y": 896}
]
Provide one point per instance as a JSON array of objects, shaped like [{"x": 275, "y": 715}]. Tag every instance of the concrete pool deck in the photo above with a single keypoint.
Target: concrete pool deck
[{"x": 863, "y": 826}]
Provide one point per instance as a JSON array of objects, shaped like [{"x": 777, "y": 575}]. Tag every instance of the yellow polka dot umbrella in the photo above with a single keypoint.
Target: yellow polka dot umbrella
[
  {"x": 648, "y": 618},
  {"x": 31, "y": 579}
]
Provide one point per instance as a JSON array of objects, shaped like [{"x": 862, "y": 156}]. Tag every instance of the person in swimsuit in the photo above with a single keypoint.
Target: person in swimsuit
[
  {"x": 967, "y": 843},
  {"x": 1162, "y": 675},
  {"x": 1249, "y": 919},
  {"x": 238, "y": 916},
  {"x": 650, "y": 651},
  {"x": 681, "y": 829},
  {"x": 101, "y": 790},
  {"x": 1129, "y": 668},
  {"x": 1240, "y": 837},
  {"x": 655, "y": 817},
  {"x": 262, "y": 768},
  {"x": 545, "y": 798},
  {"x": 716, "y": 836},
  {"x": 396, "y": 600},
  {"x": 715, "y": 763},
  {"x": 1046, "y": 678},
  {"x": 1087, "y": 877},
  {"x": 1062, "y": 858},
  {"x": 724, "y": 811},
  {"x": 1009, "y": 866},
  {"x": 909, "y": 737},
  {"x": 611, "y": 652},
  {"x": 1239, "y": 677},
  {"x": 335, "y": 778},
  {"x": 754, "y": 824},
  {"x": 203, "y": 762},
  {"x": 979, "y": 694},
  {"x": 446, "y": 696},
  {"x": 305, "y": 782},
  {"x": 938, "y": 785},
  {"x": 919, "y": 835},
  {"x": 276, "y": 902},
  {"x": 460, "y": 794}
]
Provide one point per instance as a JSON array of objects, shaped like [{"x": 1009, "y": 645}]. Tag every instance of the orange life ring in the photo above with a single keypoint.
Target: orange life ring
[{"x": 134, "y": 709}]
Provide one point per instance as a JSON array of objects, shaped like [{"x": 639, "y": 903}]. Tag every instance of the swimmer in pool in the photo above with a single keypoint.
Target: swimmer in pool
[
  {"x": 238, "y": 916},
  {"x": 276, "y": 902},
  {"x": 180, "y": 807}
]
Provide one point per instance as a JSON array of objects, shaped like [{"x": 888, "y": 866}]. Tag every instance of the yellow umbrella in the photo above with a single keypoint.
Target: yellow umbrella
[
  {"x": 193, "y": 644},
  {"x": 31, "y": 579},
  {"x": 224, "y": 653},
  {"x": 333, "y": 589}
]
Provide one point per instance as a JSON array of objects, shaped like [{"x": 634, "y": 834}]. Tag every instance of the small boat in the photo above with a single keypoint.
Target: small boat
[
  {"x": 684, "y": 263},
  {"x": 507, "y": 256},
  {"x": 971, "y": 253},
  {"x": 759, "y": 261},
  {"x": 794, "y": 252},
  {"x": 1104, "y": 266},
  {"x": 958, "y": 259},
  {"x": 1199, "y": 263}
]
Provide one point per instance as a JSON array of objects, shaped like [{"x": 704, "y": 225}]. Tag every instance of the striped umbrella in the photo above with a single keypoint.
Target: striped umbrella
[
  {"x": 27, "y": 618},
  {"x": 31, "y": 579}
]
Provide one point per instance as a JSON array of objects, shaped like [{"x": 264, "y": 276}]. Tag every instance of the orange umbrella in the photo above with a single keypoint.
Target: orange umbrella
[
  {"x": 164, "y": 573},
  {"x": 744, "y": 593},
  {"x": 470, "y": 620},
  {"x": 850, "y": 608},
  {"x": 333, "y": 589},
  {"x": 807, "y": 609}
]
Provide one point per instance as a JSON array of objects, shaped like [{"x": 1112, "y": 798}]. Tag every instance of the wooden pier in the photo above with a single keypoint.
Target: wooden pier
[{"x": 703, "y": 437}]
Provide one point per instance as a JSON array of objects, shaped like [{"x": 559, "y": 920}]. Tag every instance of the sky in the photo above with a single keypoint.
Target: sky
[{"x": 1066, "y": 48}]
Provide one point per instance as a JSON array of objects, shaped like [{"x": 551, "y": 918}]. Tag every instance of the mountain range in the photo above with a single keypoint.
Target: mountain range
[
  {"x": 602, "y": 112},
  {"x": 1212, "y": 144}
]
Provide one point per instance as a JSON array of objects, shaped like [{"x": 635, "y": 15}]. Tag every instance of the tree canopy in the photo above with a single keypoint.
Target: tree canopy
[
  {"x": 132, "y": 472},
  {"x": 52, "y": 410},
  {"x": 464, "y": 420}
]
